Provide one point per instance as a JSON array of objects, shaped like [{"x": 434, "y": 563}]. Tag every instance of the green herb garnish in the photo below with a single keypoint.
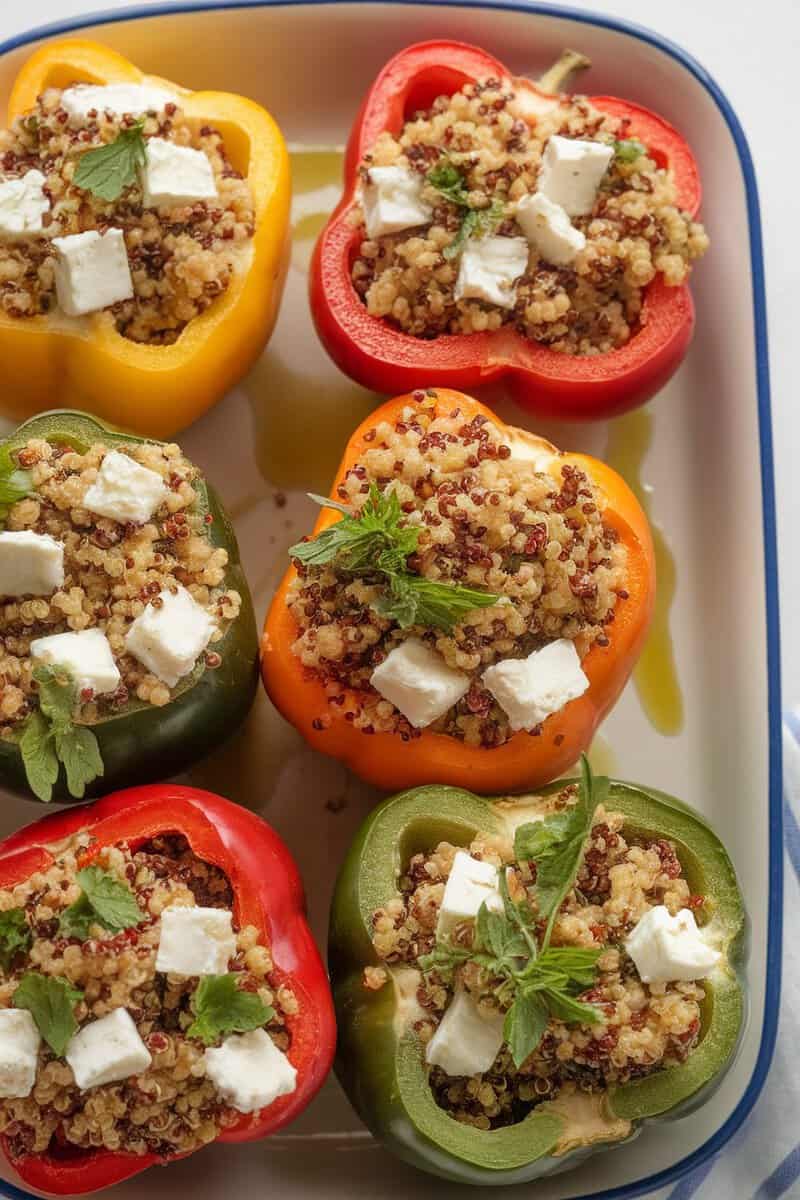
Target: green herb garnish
[
  {"x": 221, "y": 1007},
  {"x": 629, "y": 149},
  {"x": 104, "y": 901},
  {"x": 15, "y": 936},
  {"x": 108, "y": 170},
  {"x": 374, "y": 542},
  {"x": 532, "y": 980},
  {"x": 49, "y": 738},
  {"x": 448, "y": 180},
  {"x": 15, "y": 484},
  {"x": 51, "y": 1002}
]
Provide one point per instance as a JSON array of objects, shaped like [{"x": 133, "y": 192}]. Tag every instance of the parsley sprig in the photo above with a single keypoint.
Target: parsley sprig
[
  {"x": 108, "y": 170},
  {"x": 220, "y": 1007},
  {"x": 104, "y": 900},
  {"x": 532, "y": 980},
  {"x": 374, "y": 542},
  {"x": 50, "y": 739},
  {"x": 51, "y": 1002},
  {"x": 449, "y": 182},
  {"x": 15, "y": 936}
]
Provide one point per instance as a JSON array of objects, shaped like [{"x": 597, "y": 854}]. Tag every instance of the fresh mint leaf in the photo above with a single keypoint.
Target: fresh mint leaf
[
  {"x": 15, "y": 936},
  {"x": 627, "y": 150},
  {"x": 221, "y": 1007},
  {"x": 105, "y": 901},
  {"x": 567, "y": 1008},
  {"x": 524, "y": 1026},
  {"x": 477, "y": 222},
  {"x": 51, "y": 1002},
  {"x": 107, "y": 170},
  {"x": 449, "y": 181},
  {"x": 49, "y": 737},
  {"x": 415, "y": 600},
  {"x": 39, "y": 756}
]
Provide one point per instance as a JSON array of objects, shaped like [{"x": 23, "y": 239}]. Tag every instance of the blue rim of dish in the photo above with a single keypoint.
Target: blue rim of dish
[{"x": 775, "y": 908}]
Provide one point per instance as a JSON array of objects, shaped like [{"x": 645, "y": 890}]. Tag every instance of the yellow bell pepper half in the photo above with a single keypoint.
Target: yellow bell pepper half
[{"x": 50, "y": 361}]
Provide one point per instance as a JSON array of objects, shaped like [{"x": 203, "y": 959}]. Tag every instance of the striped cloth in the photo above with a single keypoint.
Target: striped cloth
[{"x": 762, "y": 1161}]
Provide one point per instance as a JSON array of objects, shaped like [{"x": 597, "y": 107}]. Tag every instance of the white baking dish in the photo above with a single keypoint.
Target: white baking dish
[{"x": 704, "y": 451}]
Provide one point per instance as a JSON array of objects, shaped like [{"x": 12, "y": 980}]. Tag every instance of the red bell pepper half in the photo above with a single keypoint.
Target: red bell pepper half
[
  {"x": 547, "y": 383},
  {"x": 268, "y": 894}
]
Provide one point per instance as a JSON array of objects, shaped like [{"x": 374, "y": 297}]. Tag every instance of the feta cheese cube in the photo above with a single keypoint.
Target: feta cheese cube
[
  {"x": 195, "y": 941},
  {"x": 86, "y": 654},
  {"x": 392, "y": 201},
  {"x": 419, "y": 682},
  {"x": 91, "y": 271},
  {"x": 22, "y": 205},
  {"x": 465, "y": 1042},
  {"x": 667, "y": 949},
  {"x": 489, "y": 268},
  {"x": 249, "y": 1071},
  {"x": 530, "y": 689},
  {"x": 168, "y": 639},
  {"x": 571, "y": 172},
  {"x": 19, "y": 1053},
  {"x": 120, "y": 99},
  {"x": 125, "y": 490},
  {"x": 174, "y": 175},
  {"x": 31, "y": 564},
  {"x": 549, "y": 229},
  {"x": 470, "y": 884},
  {"x": 107, "y": 1051}
]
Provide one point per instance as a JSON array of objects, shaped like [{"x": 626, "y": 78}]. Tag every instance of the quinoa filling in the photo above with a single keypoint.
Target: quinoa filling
[
  {"x": 641, "y": 1029},
  {"x": 181, "y": 256},
  {"x": 492, "y": 149},
  {"x": 171, "y": 1107},
  {"x": 486, "y": 520},
  {"x": 112, "y": 572}
]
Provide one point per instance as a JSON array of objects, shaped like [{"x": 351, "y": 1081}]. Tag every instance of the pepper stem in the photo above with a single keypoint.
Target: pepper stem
[{"x": 568, "y": 61}]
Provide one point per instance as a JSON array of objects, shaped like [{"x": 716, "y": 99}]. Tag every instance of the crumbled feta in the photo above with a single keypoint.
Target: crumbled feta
[
  {"x": 125, "y": 490},
  {"x": 174, "y": 175},
  {"x": 571, "y": 172},
  {"x": 31, "y": 564},
  {"x": 465, "y": 1042},
  {"x": 469, "y": 884},
  {"x": 91, "y": 271},
  {"x": 392, "y": 201},
  {"x": 419, "y": 682},
  {"x": 549, "y": 229},
  {"x": 530, "y": 689},
  {"x": 667, "y": 949},
  {"x": 249, "y": 1071},
  {"x": 133, "y": 99},
  {"x": 107, "y": 1051},
  {"x": 19, "y": 1053},
  {"x": 22, "y": 205},
  {"x": 195, "y": 941},
  {"x": 168, "y": 638},
  {"x": 86, "y": 654},
  {"x": 489, "y": 268}
]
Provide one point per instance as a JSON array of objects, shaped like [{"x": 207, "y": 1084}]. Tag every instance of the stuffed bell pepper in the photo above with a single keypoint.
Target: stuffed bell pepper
[
  {"x": 521, "y": 981},
  {"x": 159, "y": 987},
  {"x": 128, "y": 647},
  {"x": 469, "y": 606},
  {"x": 492, "y": 229},
  {"x": 142, "y": 240}
]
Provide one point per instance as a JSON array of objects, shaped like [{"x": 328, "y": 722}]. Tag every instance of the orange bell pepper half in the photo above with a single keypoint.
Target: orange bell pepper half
[
  {"x": 84, "y": 362},
  {"x": 524, "y": 761}
]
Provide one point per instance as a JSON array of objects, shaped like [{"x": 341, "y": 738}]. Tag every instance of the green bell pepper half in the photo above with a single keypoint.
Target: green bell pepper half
[
  {"x": 143, "y": 743},
  {"x": 380, "y": 1061}
]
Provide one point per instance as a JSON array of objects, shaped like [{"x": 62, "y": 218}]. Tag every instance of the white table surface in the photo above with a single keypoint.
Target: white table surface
[{"x": 755, "y": 63}]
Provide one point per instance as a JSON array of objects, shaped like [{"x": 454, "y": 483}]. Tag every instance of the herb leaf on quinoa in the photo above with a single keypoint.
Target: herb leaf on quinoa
[
  {"x": 15, "y": 936},
  {"x": 15, "y": 484},
  {"x": 108, "y": 170},
  {"x": 221, "y": 1007},
  {"x": 51, "y": 1002},
  {"x": 450, "y": 183},
  {"x": 627, "y": 150},
  {"x": 375, "y": 541},
  {"x": 49, "y": 738},
  {"x": 105, "y": 901}
]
